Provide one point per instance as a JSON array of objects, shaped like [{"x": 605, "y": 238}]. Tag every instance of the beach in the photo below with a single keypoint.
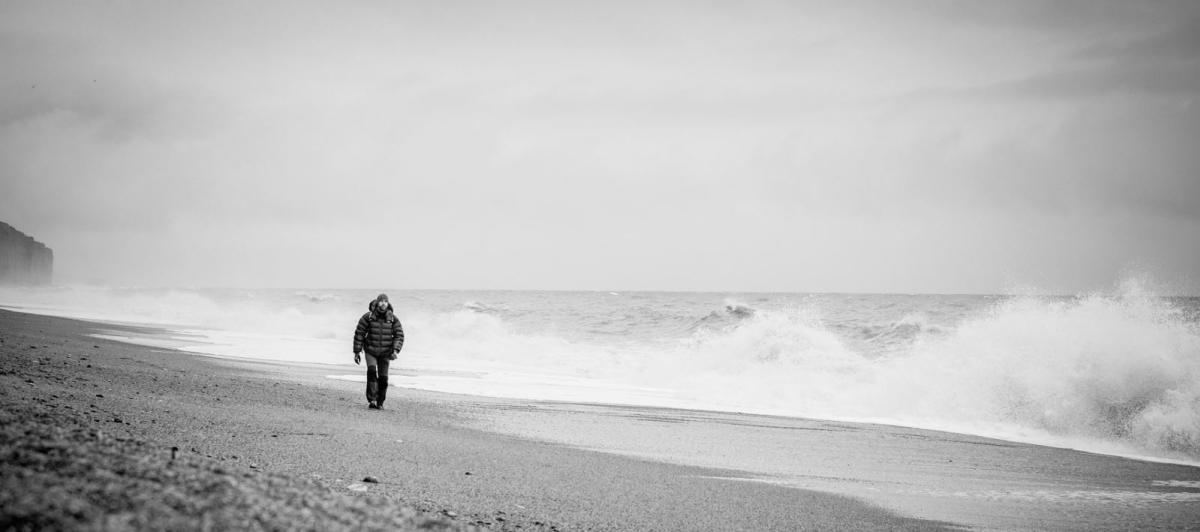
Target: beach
[
  {"x": 101, "y": 434},
  {"x": 645, "y": 266}
]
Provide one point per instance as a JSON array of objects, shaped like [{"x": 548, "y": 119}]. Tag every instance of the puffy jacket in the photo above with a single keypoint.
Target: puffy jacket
[{"x": 378, "y": 335}]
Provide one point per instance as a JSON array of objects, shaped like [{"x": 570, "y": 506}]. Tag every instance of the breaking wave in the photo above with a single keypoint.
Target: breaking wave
[{"x": 1105, "y": 373}]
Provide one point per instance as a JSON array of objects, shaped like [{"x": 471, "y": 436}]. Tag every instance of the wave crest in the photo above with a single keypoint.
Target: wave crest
[
  {"x": 1124, "y": 368},
  {"x": 1096, "y": 372}
]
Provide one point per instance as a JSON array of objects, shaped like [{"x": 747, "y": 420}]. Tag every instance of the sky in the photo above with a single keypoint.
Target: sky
[{"x": 889, "y": 146}]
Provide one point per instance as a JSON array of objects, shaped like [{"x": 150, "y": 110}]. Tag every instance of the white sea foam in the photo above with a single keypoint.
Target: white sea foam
[{"x": 1116, "y": 373}]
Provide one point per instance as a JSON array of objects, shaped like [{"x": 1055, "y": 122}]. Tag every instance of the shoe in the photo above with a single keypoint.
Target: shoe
[
  {"x": 371, "y": 405},
  {"x": 379, "y": 406}
]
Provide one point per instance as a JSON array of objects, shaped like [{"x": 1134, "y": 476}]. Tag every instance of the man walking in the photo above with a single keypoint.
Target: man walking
[{"x": 378, "y": 333}]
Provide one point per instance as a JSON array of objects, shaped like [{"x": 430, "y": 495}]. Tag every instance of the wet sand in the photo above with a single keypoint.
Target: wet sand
[
  {"x": 976, "y": 482},
  {"x": 174, "y": 440}
]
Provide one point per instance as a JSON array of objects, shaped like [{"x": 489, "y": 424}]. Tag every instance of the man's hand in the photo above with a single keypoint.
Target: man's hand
[
  {"x": 357, "y": 358},
  {"x": 393, "y": 357}
]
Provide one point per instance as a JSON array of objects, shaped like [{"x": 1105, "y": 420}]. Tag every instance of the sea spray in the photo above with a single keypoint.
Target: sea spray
[
  {"x": 1123, "y": 368},
  {"x": 1097, "y": 372}
]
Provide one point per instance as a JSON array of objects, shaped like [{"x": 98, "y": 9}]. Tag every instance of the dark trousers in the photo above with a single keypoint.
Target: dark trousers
[{"x": 377, "y": 378}]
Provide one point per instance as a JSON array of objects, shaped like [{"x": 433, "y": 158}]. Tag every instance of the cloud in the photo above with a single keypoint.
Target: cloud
[
  {"x": 582, "y": 144},
  {"x": 1180, "y": 41},
  {"x": 75, "y": 86},
  {"x": 1103, "y": 126},
  {"x": 1090, "y": 82},
  {"x": 1165, "y": 64}
]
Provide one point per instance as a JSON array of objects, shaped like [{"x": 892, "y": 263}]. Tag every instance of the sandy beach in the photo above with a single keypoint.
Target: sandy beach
[{"x": 101, "y": 434}]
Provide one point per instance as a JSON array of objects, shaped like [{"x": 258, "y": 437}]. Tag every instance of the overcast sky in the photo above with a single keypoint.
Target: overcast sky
[{"x": 934, "y": 146}]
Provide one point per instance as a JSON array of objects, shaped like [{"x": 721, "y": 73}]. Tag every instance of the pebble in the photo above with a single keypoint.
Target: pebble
[
  {"x": 357, "y": 487},
  {"x": 371, "y": 479}
]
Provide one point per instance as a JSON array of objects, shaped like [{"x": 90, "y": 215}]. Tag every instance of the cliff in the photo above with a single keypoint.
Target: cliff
[{"x": 23, "y": 260}]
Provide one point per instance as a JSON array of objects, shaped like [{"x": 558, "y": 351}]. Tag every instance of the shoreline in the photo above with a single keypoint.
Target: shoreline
[
  {"x": 274, "y": 423},
  {"x": 584, "y": 466},
  {"x": 167, "y": 337}
]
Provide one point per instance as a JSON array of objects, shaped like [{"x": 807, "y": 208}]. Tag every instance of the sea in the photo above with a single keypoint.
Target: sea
[{"x": 1115, "y": 372}]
